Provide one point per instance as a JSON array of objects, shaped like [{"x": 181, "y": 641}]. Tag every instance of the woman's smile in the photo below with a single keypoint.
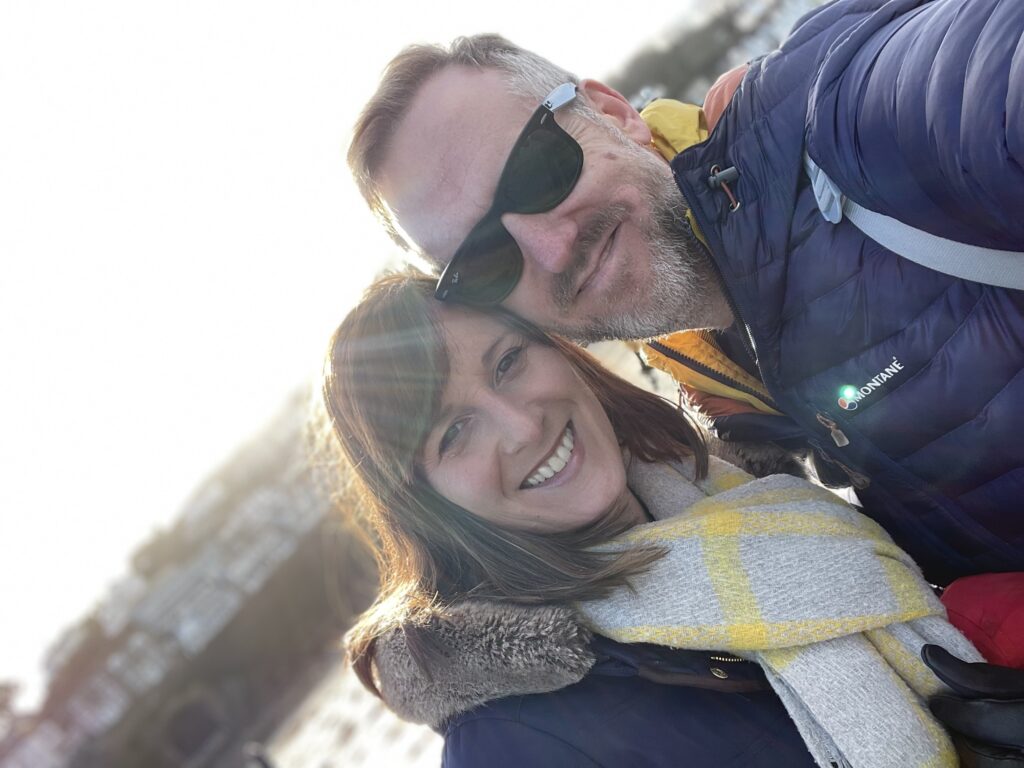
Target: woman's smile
[
  {"x": 560, "y": 465},
  {"x": 520, "y": 439}
]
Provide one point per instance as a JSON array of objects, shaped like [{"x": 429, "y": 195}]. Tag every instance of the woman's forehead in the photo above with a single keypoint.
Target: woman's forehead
[{"x": 469, "y": 336}]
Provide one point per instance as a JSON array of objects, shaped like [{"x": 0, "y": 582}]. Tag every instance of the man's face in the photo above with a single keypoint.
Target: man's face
[{"x": 614, "y": 259}]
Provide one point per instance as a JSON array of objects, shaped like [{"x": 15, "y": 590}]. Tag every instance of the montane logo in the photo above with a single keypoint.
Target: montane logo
[{"x": 850, "y": 396}]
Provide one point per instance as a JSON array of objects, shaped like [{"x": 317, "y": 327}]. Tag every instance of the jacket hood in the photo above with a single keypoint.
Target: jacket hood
[{"x": 485, "y": 651}]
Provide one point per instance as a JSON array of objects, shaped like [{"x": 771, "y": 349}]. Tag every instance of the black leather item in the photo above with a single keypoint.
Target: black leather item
[
  {"x": 974, "y": 754},
  {"x": 974, "y": 680},
  {"x": 986, "y": 715}
]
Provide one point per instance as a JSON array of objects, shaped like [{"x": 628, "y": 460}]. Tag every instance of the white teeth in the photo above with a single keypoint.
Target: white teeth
[{"x": 555, "y": 463}]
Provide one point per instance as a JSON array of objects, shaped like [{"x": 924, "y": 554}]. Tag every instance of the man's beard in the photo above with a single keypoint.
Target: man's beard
[{"x": 678, "y": 292}]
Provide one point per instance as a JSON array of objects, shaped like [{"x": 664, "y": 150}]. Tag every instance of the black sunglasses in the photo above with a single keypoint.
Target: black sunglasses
[{"x": 542, "y": 169}]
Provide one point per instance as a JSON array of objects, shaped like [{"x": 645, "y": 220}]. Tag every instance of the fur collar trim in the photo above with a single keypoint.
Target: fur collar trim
[{"x": 487, "y": 650}]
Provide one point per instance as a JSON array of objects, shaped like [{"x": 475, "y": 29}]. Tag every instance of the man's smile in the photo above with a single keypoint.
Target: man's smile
[{"x": 600, "y": 260}]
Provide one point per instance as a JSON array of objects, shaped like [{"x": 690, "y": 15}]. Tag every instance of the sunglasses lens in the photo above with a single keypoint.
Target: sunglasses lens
[
  {"x": 488, "y": 265},
  {"x": 542, "y": 171}
]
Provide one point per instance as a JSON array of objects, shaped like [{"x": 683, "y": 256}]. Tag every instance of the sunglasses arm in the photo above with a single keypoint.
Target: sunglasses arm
[{"x": 561, "y": 96}]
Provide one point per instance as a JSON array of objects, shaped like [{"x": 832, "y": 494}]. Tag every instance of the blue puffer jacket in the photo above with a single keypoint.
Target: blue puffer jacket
[{"x": 915, "y": 109}]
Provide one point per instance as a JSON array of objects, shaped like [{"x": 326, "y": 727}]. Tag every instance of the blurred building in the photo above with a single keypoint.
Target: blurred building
[
  {"x": 143, "y": 661},
  {"x": 45, "y": 746},
  {"x": 115, "y": 610},
  {"x": 158, "y": 654}
]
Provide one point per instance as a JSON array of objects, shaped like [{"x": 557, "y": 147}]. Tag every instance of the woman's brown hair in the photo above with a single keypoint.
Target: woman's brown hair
[{"x": 384, "y": 375}]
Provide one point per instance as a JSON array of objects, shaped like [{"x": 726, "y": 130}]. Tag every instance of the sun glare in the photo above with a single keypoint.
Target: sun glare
[{"x": 180, "y": 236}]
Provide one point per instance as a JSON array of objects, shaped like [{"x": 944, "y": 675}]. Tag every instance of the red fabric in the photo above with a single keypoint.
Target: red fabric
[
  {"x": 720, "y": 94},
  {"x": 989, "y": 610}
]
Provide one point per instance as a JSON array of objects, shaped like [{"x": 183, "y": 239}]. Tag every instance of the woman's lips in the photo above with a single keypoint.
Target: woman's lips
[{"x": 568, "y": 470}]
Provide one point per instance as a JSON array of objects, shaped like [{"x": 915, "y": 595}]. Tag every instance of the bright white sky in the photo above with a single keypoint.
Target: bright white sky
[{"x": 178, "y": 238}]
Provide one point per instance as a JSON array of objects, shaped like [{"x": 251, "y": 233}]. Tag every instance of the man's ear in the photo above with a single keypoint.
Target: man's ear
[{"x": 616, "y": 107}]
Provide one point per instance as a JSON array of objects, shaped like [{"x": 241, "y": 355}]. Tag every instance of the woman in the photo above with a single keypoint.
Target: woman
[{"x": 512, "y": 483}]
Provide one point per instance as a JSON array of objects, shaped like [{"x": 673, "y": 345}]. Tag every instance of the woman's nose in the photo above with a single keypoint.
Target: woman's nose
[
  {"x": 517, "y": 424},
  {"x": 545, "y": 239}
]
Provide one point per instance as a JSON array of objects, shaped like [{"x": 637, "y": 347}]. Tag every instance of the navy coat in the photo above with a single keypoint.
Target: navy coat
[
  {"x": 915, "y": 109},
  {"x": 614, "y": 718}
]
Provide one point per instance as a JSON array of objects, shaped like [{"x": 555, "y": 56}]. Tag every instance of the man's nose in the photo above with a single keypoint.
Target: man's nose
[{"x": 545, "y": 239}]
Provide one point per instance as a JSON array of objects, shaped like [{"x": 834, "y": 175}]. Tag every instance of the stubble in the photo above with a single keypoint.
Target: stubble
[{"x": 678, "y": 290}]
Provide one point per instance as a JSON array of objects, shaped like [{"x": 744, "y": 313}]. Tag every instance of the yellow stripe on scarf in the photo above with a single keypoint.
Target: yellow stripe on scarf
[
  {"x": 775, "y": 636},
  {"x": 909, "y": 597},
  {"x": 925, "y": 685},
  {"x": 720, "y": 544},
  {"x": 921, "y": 679},
  {"x": 723, "y": 477},
  {"x": 718, "y": 518},
  {"x": 721, "y": 525}
]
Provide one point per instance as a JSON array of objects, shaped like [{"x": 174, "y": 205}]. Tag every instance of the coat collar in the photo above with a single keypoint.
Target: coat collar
[{"x": 487, "y": 650}]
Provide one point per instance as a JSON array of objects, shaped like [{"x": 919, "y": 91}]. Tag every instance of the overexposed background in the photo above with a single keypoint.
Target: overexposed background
[{"x": 178, "y": 238}]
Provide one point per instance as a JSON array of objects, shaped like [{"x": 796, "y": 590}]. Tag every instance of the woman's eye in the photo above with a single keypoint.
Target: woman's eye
[
  {"x": 449, "y": 437},
  {"x": 507, "y": 362}
]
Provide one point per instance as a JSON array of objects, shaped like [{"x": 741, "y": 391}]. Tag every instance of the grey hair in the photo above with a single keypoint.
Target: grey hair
[{"x": 526, "y": 75}]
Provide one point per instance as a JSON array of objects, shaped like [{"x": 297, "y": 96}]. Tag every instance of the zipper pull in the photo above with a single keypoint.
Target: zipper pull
[
  {"x": 857, "y": 480},
  {"x": 838, "y": 436},
  {"x": 720, "y": 179}
]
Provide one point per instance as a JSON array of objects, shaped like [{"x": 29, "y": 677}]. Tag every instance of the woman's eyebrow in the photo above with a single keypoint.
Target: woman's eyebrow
[{"x": 487, "y": 358}]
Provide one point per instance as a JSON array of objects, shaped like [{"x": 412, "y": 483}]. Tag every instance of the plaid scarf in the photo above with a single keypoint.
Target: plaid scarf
[{"x": 786, "y": 574}]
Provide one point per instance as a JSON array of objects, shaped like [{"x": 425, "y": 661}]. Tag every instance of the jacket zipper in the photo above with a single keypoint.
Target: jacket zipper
[
  {"x": 858, "y": 480},
  {"x": 710, "y": 372},
  {"x": 838, "y": 436},
  {"x": 746, "y": 338}
]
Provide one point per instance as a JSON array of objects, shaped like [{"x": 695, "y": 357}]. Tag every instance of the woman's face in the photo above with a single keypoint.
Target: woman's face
[{"x": 520, "y": 439}]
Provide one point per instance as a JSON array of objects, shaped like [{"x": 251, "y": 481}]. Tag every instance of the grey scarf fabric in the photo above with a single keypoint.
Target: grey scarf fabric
[{"x": 786, "y": 574}]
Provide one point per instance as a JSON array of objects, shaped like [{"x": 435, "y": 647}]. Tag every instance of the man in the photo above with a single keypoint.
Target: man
[{"x": 801, "y": 329}]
